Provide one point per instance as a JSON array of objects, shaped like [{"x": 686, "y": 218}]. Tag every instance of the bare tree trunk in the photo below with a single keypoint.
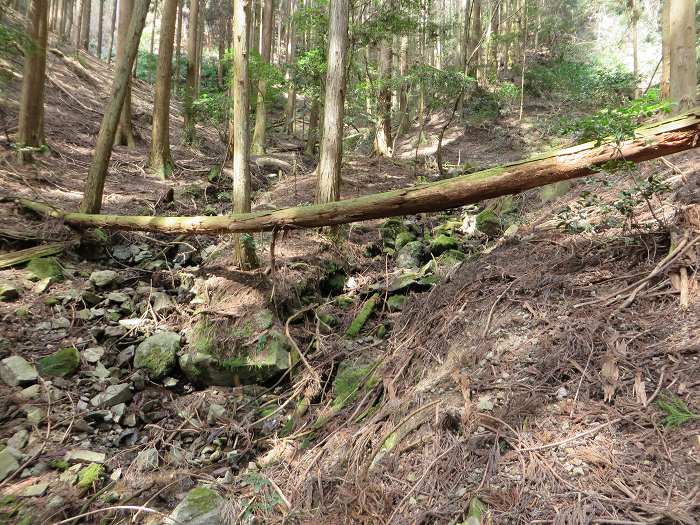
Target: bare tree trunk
[
  {"x": 178, "y": 42},
  {"x": 382, "y": 140},
  {"x": 129, "y": 43},
  {"x": 290, "y": 109},
  {"x": 495, "y": 27},
  {"x": 31, "y": 113},
  {"x": 404, "y": 117},
  {"x": 85, "y": 27},
  {"x": 258, "y": 146},
  {"x": 111, "y": 31},
  {"x": 634, "y": 19},
  {"x": 475, "y": 35},
  {"x": 683, "y": 54},
  {"x": 328, "y": 186},
  {"x": 79, "y": 24},
  {"x": 243, "y": 245},
  {"x": 153, "y": 27},
  {"x": 466, "y": 34},
  {"x": 312, "y": 133},
  {"x": 125, "y": 133},
  {"x": 99, "y": 28},
  {"x": 666, "y": 49},
  {"x": 191, "y": 83},
  {"x": 160, "y": 161}
]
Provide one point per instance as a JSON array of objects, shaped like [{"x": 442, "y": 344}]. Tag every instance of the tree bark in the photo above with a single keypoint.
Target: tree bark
[
  {"x": 657, "y": 140},
  {"x": 473, "y": 58},
  {"x": 258, "y": 146},
  {"x": 94, "y": 185},
  {"x": 290, "y": 108},
  {"x": 111, "y": 31},
  {"x": 312, "y": 133},
  {"x": 634, "y": 19},
  {"x": 244, "y": 247},
  {"x": 99, "y": 28},
  {"x": 191, "y": 82},
  {"x": 160, "y": 160},
  {"x": 382, "y": 139},
  {"x": 665, "y": 49},
  {"x": 331, "y": 156},
  {"x": 153, "y": 27},
  {"x": 178, "y": 42},
  {"x": 78, "y": 28},
  {"x": 683, "y": 54},
  {"x": 125, "y": 133},
  {"x": 85, "y": 27},
  {"x": 31, "y": 113}
]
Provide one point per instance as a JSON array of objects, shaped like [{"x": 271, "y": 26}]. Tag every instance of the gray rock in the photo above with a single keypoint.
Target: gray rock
[
  {"x": 8, "y": 463},
  {"x": 19, "y": 439},
  {"x": 8, "y": 291},
  {"x": 410, "y": 255},
  {"x": 157, "y": 354},
  {"x": 93, "y": 354},
  {"x": 34, "y": 491},
  {"x": 162, "y": 303},
  {"x": 112, "y": 395},
  {"x": 117, "y": 297},
  {"x": 16, "y": 371},
  {"x": 201, "y": 506},
  {"x": 102, "y": 278},
  {"x": 215, "y": 412},
  {"x": 29, "y": 393},
  {"x": 147, "y": 460},
  {"x": 35, "y": 415},
  {"x": 85, "y": 456}
]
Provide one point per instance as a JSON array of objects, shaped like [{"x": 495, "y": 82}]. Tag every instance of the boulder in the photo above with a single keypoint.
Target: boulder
[
  {"x": 8, "y": 463},
  {"x": 411, "y": 255},
  {"x": 201, "y": 506},
  {"x": 259, "y": 362},
  {"x": 103, "y": 278},
  {"x": 403, "y": 238},
  {"x": 112, "y": 395},
  {"x": 45, "y": 268},
  {"x": 157, "y": 354},
  {"x": 8, "y": 291},
  {"x": 62, "y": 363},
  {"x": 17, "y": 371},
  {"x": 85, "y": 456},
  {"x": 488, "y": 223},
  {"x": 443, "y": 243}
]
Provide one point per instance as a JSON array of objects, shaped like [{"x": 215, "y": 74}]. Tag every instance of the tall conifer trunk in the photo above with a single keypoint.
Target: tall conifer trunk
[
  {"x": 125, "y": 132},
  {"x": 160, "y": 161},
  {"x": 130, "y": 37},
  {"x": 328, "y": 186},
  {"x": 258, "y": 146},
  {"x": 31, "y": 113},
  {"x": 243, "y": 245},
  {"x": 191, "y": 82}
]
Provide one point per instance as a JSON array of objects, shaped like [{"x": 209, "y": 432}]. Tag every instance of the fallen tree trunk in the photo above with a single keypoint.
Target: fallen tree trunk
[
  {"x": 653, "y": 141},
  {"x": 8, "y": 260}
]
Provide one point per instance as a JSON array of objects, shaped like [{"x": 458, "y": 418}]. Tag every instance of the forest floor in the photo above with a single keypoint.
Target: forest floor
[{"x": 538, "y": 380}]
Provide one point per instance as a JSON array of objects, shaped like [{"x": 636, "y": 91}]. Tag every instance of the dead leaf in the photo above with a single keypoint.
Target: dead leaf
[
  {"x": 640, "y": 392},
  {"x": 610, "y": 374}
]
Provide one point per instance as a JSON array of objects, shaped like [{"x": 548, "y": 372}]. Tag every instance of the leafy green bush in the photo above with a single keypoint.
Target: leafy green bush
[
  {"x": 617, "y": 123},
  {"x": 583, "y": 83},
  {"x": 146, "y": 66}
]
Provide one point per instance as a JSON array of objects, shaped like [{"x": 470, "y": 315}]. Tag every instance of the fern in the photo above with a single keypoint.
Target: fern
[{"x": 676, "y": 410}]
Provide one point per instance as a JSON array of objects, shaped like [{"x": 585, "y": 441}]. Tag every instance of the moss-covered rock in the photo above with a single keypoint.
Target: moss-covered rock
[
  {"x": 450, "y": 258},
  {"x": 390, "y": 229},
  {"x": 443, "y": 243},
  {"x": 201, "y": 506},
  {"x": 403, "y": 238},
  {"x": 157, "y": 354},
  {"x": 411, "y": 255},
  {"x": 8, "y": 291},
  {"x": 488, "y": 223},
  {"x": 217, "y": 359},
  {"x": 396, "y": 303},
  {"x": 45, "y": 268},
  {"x": 89, "y": 475},
  {"x": 62, "y": 363}
]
